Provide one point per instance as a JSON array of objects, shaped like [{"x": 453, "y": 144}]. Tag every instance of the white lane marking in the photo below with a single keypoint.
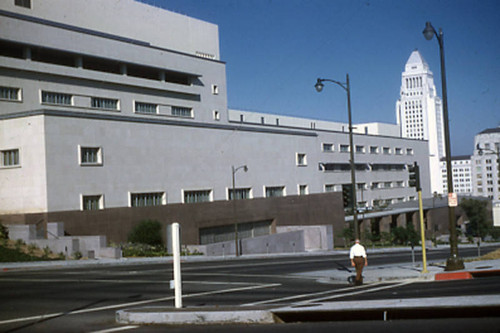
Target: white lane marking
[
  {"x": 125, "y": 305},
  {"x": 288, "y": 298},
  {"x": 357, "y": 292},
  {"x": 120, "y": 281},
  {"x": 117, "y": 329},
  {"x": 296, "y": 277}
]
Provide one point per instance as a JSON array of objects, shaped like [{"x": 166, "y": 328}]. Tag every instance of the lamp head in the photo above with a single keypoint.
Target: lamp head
[
  {"x": 245, "y": 168},
  {"x": 480, "y": 150},
  {"x": 429, "y": 31},
  {"x": 319, "y": 85}
]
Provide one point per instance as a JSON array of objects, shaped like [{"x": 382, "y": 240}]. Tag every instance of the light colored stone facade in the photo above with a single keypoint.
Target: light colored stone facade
[
  {"x": 419, "y": 113},
  {"x": 101, "y": 118}
]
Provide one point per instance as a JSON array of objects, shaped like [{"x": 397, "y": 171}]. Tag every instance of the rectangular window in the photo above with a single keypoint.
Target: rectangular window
[
  {"x": 275, "y": 191},
  {"x": 90, "y": 156},
  {"x": 239, "y": 194},
  {"x": 303, "y": 190},
  {"x": 9, "y": 158},
  {"x": 399, "y": 151},
  {"x": 373, "y": 150},
  {"x": 92, "y": 202},
  {"x": 149, "y": 108},
  {"x": 147, "y": 199},
  {"x": 23, "y": 3},
  {"x": 387, "y": 150},
  {"x": 215, "y": 89},
  {"x": 180, "y": 111},
  {"x": 327, "y": 147},
  {"x": 409, "y": 151},
  {"x": 56, "y": 98},
  {"x": 344, "y": 148},
  {"x": 329, "y": 188},
  {"x": 360, "y": 149},
  {"x": 216, "y": 115},
  {"x": 301, "y": 159},
  {"x": 197, "y": 196},
  {"x": 10, "y": 94},
  {"x": 387, "y": 184},
  {"x": 104, "y": 103}
]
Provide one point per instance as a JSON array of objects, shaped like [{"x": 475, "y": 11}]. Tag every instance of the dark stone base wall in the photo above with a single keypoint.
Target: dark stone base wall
[{"x": 116, "y": 223}]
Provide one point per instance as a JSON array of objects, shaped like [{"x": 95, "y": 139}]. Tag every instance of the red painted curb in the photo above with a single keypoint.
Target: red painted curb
[{"x": 453, "y": 276}]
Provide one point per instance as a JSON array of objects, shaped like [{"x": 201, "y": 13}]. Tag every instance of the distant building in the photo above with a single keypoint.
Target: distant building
[
  {"x": 419, "y": 113},
  {"x": 461, "y": 173},
  {"x": 485, "y": 164}
]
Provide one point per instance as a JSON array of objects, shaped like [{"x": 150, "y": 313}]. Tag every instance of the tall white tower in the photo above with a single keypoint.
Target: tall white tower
[{"x": 420, "y": 114}]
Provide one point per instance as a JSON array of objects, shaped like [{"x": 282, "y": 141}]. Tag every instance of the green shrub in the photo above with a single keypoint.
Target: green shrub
[
  {"x": 143, "y": 250},
  {"x": 146, "y": 232},
  {"x": 4, "y": 232},
  {"x": 19, "y": 244},
  {"x": 32, "y": 248}
]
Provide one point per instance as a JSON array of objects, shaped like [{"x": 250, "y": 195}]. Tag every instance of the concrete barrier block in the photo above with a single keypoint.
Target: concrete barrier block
[
  {"x": 55, "y": 230},
  {"x": 25, "y": 232},
  {"x": 109, "y": 252}
]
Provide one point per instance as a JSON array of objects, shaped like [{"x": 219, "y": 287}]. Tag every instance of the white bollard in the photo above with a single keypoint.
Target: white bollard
[{"x": 176, "y": 247}]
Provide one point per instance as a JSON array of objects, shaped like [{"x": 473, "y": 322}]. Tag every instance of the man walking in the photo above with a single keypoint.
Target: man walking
[{"x": 358, "y": 260}]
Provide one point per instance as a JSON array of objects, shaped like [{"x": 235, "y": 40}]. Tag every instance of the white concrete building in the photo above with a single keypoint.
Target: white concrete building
[
  {"x": 419, "y": 113},
  {"x": 107, "y": 104},
  {"x": 461, "y": 173},
  {"x": 485, "y": 164}
]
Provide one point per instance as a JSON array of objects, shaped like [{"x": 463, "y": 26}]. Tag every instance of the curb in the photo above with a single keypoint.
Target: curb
[
  {"x": 195, "y": 316},
  {"x": 312, "y": 312}
]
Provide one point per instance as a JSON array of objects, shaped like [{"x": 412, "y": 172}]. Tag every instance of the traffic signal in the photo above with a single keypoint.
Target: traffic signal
[
  {"x": 414, "y": 176},
  {"x": 347, "y": 195}
]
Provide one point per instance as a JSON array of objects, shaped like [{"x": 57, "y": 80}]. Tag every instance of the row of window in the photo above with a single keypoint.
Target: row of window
[
  {"x": 68, "y": 59},
  {"x": 102, "y": 103},
  {"x": 364, "y": 186},
  {"x": 360, "y": 149},
  {"x": 94, "y": 202},
  {"x": 414, "y": 82},
  {"x": 148, "y": 199},
  {"x": 329, "y": 167}
]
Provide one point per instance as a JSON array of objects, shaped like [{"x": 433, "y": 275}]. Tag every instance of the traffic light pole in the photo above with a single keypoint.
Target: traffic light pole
[
  {"x": 422, "y": 231},
  {"x": 414, "y": 181}
]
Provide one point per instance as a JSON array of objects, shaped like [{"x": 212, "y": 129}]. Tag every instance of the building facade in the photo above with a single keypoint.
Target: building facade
[
  {"x": 419, "y": 113},
  {"x": 485, "y": 164},
  {"x": 461, "y": 173},
  {"x": 114, "y": 114}
]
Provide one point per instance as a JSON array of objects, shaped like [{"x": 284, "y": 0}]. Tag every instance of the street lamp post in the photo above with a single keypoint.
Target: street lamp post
[
  {"x": 233, "y": 198},
  {"x": 319, "y": 87},
  {"x": 454, "y": 262},
  {"x": 481, "y": 151}
]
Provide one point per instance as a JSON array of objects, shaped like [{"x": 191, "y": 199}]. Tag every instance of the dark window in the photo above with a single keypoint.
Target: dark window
[
  {"x": 23, "y": 3},
  {"x": 12, "y": 50},
  {"x": 52, "y": 56}
]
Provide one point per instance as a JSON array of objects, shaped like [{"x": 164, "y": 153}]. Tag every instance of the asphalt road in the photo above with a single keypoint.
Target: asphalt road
[{"x": 85, "y": 299}]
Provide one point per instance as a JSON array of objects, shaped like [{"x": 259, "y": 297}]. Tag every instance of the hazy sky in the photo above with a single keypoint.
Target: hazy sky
[{"x": 275, "y": 49}]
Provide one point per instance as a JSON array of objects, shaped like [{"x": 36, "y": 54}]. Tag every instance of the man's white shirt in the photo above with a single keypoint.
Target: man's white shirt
[{"x": 357, "y": 250}]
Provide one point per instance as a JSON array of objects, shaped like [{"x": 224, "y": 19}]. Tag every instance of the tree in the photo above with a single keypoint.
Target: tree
[
  {"x": 146, "y": 232},
  {"x": 479, "y": 222}
]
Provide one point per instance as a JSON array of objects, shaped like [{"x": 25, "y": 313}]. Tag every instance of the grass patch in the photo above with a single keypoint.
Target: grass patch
[
  {"x": 491, "y": 256},
  {"x": 18, "y": 251}
]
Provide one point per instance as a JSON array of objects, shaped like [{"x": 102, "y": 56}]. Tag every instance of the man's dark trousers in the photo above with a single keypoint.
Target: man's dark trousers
[{"x": 359, "y": 263}]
